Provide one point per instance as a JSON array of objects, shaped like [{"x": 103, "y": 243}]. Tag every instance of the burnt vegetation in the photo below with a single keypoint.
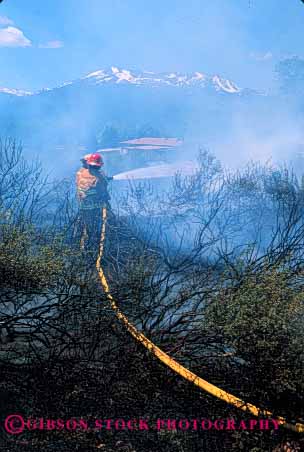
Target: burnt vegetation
[{"x": 211, "y": 270}]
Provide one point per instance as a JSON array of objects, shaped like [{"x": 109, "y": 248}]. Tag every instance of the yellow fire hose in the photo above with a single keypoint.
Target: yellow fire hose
[{"x": 170, "y": 362}]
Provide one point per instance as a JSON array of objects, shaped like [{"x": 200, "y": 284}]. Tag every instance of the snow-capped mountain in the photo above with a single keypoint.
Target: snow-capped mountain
[
  {"x": 15, "y": 92},
  {"x": 115, "y": 75}
]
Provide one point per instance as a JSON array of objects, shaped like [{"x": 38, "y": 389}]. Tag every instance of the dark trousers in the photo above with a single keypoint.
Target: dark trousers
[{"x": 91, "y": 223}]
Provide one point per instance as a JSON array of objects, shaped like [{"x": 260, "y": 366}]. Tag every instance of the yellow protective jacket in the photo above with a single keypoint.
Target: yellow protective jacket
[{"x": 92, "y": 188}]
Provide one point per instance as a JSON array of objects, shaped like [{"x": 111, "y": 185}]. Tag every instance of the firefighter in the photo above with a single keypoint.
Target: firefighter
[{"x": 93, "y": 195}]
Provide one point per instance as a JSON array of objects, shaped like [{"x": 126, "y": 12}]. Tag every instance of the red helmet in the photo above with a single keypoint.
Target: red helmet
[{"x": 94, "y": 160}]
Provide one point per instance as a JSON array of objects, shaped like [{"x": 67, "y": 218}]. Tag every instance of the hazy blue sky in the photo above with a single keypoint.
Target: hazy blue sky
[{"x": 46, "y": 42}]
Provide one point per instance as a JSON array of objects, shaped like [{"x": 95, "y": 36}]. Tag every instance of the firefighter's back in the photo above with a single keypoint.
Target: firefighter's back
[{"x": 89, "y": 188}]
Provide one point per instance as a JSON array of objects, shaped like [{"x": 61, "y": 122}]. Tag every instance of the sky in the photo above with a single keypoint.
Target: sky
[{"x": 45, "y": 43}]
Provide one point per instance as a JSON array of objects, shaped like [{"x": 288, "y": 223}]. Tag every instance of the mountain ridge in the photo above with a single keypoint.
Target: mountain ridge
[{"x": 115, "y": 75}]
